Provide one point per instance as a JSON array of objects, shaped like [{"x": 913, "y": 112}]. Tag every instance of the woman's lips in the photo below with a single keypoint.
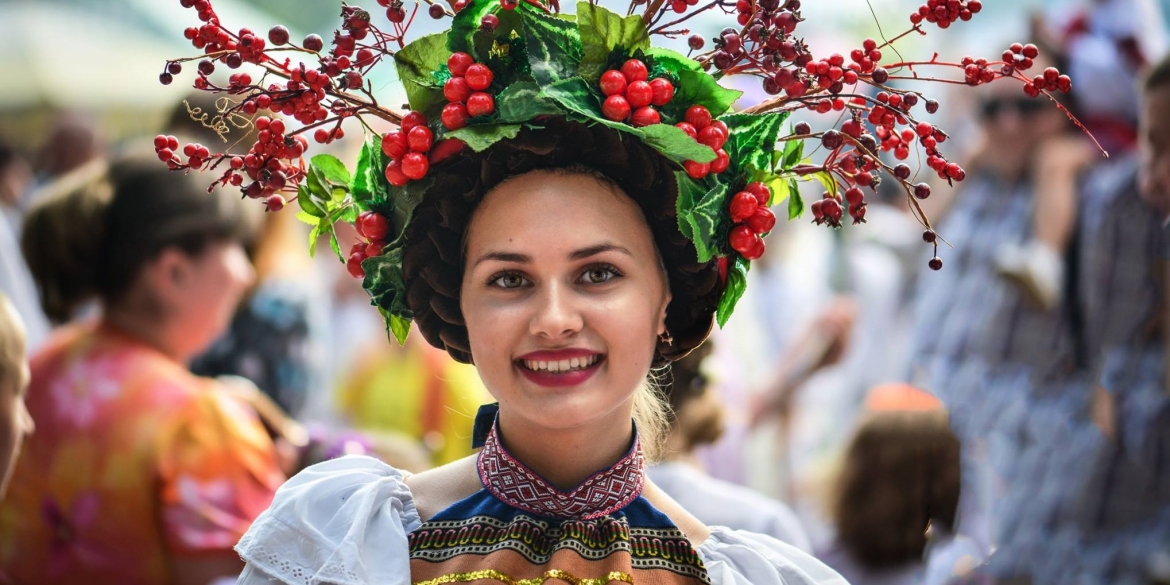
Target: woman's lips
[{"x": 561, "y": 368}]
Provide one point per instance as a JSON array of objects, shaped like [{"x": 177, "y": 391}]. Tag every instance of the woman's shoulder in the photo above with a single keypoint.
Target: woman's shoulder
[
  {"x": 344, "y": 520},
  {"x": 737, "y": 557}
]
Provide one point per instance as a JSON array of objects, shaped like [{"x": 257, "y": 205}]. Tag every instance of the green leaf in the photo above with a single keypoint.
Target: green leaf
[
  {"x": 689, "y": 192},
  {"x": 674, "y": 144},
  {"x": 780, "y": 189},
  {"x": 366, "y": 186},
  {"x": 705, "y": 216},
  {"x": 332, "y": 170},
  {"x": 795, "y": 203},
  {"x": 417, "y": 62},
  {"x": 522, "y": 102},
  {"x": 672, "y": 61},
  {"x": 553, "y": 46},
  {"x": 399, "y": 327},
  {"x": 384, "y": 281},
  {"x": 307, "y": 218},
  {"x": 697, "y": 87},
  {"x": 602, "y": 32},
  {"x": 793, "y": 153},
  {"x": 403, "y": 201},
  {"x": 465, "y": 25},
  {"x": 827, "y": 180},
  {"x": 752, "y": 138},
  {"x": 308, "y": 205},
  {"x": 479, "y": 138},
  {"x": 736, "y": 285}
]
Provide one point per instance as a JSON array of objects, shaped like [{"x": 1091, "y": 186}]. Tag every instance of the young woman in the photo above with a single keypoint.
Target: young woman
[
  {"x": 554, "y": 263},
  {"x": 139, "y": 471}
]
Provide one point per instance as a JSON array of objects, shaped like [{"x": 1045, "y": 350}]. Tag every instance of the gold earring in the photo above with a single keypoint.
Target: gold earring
[{"x": 666, "y": 338}]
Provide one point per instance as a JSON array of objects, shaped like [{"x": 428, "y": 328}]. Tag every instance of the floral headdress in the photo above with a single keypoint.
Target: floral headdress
[{"x": 505, "y": 66}]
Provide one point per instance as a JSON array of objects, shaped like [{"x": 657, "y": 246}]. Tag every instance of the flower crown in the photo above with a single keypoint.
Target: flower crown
[{"x": 506, "y": 65}]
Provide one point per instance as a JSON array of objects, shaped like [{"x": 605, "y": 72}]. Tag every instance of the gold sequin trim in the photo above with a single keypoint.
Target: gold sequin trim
[{"x": 554, "y": 574}]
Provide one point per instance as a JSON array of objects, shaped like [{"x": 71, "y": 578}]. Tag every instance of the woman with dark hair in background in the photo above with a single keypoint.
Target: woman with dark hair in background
[
  {"x": 898, "y": 491},
  {"x": 140, "y": 472}
]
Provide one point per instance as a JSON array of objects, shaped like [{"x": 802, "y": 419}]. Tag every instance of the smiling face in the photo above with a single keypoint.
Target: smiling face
[{"x": 564, "y": 296}]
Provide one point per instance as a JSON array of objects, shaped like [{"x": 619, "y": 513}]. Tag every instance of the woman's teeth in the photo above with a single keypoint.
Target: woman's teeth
[{"x": 561, "y": 365}]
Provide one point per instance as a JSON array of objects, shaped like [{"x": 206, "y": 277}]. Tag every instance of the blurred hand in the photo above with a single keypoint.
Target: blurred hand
[
  {"x": 1103, "y": 412},
  {"x": 1063, "y": 157},
  {"x": 821, "y": 344}
]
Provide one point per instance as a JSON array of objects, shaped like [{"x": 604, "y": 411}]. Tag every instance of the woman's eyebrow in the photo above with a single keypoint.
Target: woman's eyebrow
[
  {"x": 503, "y": 257},
  {"x": 598, "y": 249}
]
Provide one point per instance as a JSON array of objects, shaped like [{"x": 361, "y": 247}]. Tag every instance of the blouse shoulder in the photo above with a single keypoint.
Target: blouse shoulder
[
  {"x": 736, "y": 557},
  {"x": 344, "y": 521}
]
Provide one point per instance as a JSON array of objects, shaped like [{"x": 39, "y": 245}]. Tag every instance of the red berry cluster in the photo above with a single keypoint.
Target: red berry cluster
[
  {"x": 466, "y": 90},
  {"x": 407, "y": 150},
  {"x": 374, "y": 227},
  {"x": 629, "y": 90},
  {"x": 680, "y": 6},
  {"x": 945, "y": 12},
  {"x": 697, "y": 123},
  {"x": 753, "y": 219}
]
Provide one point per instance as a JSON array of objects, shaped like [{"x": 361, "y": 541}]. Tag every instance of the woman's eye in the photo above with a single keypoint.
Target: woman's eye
[
  {"x": 599, "y": 274},
  {"x": 510, "y": 280}
]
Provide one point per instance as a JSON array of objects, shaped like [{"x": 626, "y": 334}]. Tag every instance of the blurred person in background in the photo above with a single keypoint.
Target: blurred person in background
[
  {"x": 979, "y": 342},
  {"x": 898, "y": 491},
  {"x": 15, "y": 280},
  {"x": 72, "y": 142},
  {"x": 140, "y": 472},
  {"x": 414, "y": 392},
  {"x": 697, "y": 420},
  {"x": 15, "y": 421}
]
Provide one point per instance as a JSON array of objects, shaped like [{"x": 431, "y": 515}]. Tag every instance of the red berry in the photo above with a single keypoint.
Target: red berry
[
  {"x": 456, "y": 90},
  {"x": 313, "y": 43},
  {"x": 488, "y": 23},
  {"x": 743, "y": 206},
  {"x": 645, "y": 116},
  {"x": 761, "y": 191},
  {"x": 922, "y": 190},
  {"x": 639, "y": 94},
  {"x": 372, "y": 226},
  {"x": 698, "y": 116},
  {"x": 394, "y": 144},
  {"x": 713, "y": 137},
  {"x": 394, "y": 174},
  {"x": 436, "y": 11},
  {"x": 420, "y": 138},
  {"x": 455, "y": 116},
  {"x": 613, "y": 82},
  {"x": 445, "y": 149},
  {"x": 721, "y": 162},
  {"x": 743, "y": 239},
  {"x": 929, "y": 236},
  {"x": 635, "y": 70},
  {"x": 480, "y": 104},
  {"x": 374, "y": 249},
  {"x": 756, "y": 251},
  {"x": 354, "y": 265},
  {"x": 415, "y": 165},
  {"x": 1031, "y": 52},
  {"x": 412, "y": 119},
  {"x": 697, "y": 170},
  {"x": 690, "y": 130},
  {"x": 663, "y": 91},
  {"x": 458, "y": 63},
  {"x": 160, "y": 142},
  {"x": 479, "y": 76},
  {"x": 615, "y": 108},
  {"x": 762, "y": 221},
  {"x": 936, "y": 263}
]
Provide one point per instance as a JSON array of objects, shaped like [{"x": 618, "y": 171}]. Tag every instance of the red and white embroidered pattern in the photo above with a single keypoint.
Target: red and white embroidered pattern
[{"x": 603, "y": 493}]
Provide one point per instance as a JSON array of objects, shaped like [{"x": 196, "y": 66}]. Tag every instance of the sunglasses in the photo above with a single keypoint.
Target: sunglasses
[{"x": 1023, "y": 106}]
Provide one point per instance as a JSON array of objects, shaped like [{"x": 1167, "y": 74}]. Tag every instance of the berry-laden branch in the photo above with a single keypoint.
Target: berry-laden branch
[{"x": 294, "y": 100}]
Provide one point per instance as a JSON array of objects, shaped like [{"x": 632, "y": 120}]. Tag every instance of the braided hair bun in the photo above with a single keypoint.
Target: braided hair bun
[{"x": 434, "y": 245}]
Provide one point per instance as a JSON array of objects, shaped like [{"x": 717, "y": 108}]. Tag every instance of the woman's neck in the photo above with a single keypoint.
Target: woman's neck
[
  {"x": 567, "y": 457},
  {"x": 147, "y": 329}
]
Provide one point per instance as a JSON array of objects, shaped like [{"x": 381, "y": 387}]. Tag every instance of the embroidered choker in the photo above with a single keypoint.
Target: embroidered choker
[{"x": 603, "y": 493}]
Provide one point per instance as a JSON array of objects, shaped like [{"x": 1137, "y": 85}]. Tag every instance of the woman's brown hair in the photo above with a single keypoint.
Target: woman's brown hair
[
  {"x": 89, "y": 234},
  {"x": 901, "y": 475}
]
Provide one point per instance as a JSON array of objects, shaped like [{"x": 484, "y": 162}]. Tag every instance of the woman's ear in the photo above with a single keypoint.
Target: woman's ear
[
  {"x": 168, "y": 274},
  {"x": 662, "y": 314}
]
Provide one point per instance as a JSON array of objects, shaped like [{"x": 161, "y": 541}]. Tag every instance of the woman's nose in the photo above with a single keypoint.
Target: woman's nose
[{"x": 556, "y": 314}]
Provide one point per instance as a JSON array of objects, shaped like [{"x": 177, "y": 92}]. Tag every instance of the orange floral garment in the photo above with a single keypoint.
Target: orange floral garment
[{"x": 134, "y": 462}]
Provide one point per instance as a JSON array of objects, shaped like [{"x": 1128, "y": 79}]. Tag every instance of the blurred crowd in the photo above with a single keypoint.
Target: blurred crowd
[{"x": 169, "y": 357}]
